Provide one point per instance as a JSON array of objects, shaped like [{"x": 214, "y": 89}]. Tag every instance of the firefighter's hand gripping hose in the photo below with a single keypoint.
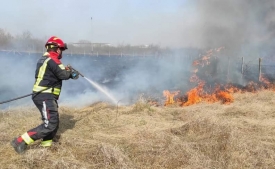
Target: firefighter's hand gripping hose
[
  {"x": 75, "y": 76},
  {"x": 75, "y": 73}
]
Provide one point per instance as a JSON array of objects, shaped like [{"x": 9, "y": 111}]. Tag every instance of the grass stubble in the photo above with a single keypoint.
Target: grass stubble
[{"x": 238, "y": 135}]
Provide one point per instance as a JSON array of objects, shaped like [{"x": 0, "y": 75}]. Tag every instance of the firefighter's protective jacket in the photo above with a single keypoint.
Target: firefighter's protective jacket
[{"x": 49, "y": 72}]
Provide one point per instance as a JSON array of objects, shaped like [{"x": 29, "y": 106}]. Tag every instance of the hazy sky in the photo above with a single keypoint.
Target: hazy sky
[
  {"x": 185, "y": 23},
  {"x": 113, "y": 21}
]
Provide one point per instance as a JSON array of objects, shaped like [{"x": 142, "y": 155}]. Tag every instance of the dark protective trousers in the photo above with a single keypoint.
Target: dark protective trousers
[{"x": 50, "y": 117}]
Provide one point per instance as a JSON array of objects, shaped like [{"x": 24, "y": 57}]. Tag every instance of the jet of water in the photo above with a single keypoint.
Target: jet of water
[{"x": 97, "y": 86}]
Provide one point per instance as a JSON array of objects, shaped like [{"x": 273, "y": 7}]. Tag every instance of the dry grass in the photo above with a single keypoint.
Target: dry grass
[{"x": 239, "y": 135}]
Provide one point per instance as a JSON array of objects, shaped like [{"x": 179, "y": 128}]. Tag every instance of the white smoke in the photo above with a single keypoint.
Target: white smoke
[{"x": 244, "y": 28}]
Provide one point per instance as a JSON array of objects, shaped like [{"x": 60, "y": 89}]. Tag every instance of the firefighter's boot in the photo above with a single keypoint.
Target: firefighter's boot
[
  {"x": 46, "y": 143},
  {"x": 19, "y": 146},
  {"x": 21, "y": 143}
]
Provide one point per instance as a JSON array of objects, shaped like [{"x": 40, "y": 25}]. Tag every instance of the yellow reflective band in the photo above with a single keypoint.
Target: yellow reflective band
[
  {"x": 62, "y": 66},
  {"x": 47, "y": 143},
  {"x": 42, "y": 71},
  {"x": 55, "y": 91},
  {"x": 46, "y": 54},
  {"x": 27, "y": 138}
]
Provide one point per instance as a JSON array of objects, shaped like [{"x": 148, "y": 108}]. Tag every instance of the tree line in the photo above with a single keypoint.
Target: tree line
[{"x": 25, "y": 42}]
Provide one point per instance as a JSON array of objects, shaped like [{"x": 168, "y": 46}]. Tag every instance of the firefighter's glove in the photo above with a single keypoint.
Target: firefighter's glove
[
  {"x": 68, "y": 68},
  {"x": 74, "y": 75}
]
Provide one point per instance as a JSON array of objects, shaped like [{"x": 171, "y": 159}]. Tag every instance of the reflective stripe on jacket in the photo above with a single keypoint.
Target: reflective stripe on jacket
[{"x": 49, "y": 75}]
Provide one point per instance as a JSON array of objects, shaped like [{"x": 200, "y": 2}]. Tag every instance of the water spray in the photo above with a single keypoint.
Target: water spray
[
  {"x": 101, "y": 89},
  {"x": 97, "y": 86}
]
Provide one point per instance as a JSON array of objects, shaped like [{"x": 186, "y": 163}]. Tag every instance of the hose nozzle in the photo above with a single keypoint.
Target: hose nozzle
[{"x": 69, "y": 66}]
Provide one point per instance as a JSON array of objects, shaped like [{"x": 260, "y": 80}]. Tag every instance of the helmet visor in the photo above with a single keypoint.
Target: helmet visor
[{"x": 64, "y": 47}]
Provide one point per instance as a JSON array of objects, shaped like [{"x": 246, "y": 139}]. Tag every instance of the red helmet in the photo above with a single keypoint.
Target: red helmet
[{"x": 56, "y": 42}]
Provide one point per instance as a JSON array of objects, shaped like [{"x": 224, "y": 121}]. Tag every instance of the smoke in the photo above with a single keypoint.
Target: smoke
[
  {"x": 17, "y": 76},
  {"x": 125, "y": 78},
  {"x": 232, "y": 23},
  {"x": 244, "y": 28}
]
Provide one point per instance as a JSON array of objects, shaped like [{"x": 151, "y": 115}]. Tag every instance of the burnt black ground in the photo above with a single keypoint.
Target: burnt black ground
[{"x": 127, "y": 76}]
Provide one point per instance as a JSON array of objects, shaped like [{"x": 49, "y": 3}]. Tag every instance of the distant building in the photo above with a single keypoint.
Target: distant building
[
  {"x": 141, "y": 46},
  {"x": 83, "y": 44}
]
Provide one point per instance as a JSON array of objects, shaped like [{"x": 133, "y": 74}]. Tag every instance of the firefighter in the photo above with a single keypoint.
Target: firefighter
[{"x": 46, "y": 90}]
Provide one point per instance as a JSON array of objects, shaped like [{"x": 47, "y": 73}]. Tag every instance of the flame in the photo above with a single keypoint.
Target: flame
[
  {"x": 219, "y": 49},
  {"x": 194, "y": 78},
  {"x": 225, "y": 97},
  {"x": 200, "y": 93},
  {"x": 196, "y": 62},
  {"x": 193, "y": 96},
  {"x": 169, "y": 97},
  {"x": 264, "y": 80},
  {"x": 203, "y": 92}
]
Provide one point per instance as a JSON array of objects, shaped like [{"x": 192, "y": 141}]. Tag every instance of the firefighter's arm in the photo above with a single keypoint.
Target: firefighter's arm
[{"x": 60, "y": 71}]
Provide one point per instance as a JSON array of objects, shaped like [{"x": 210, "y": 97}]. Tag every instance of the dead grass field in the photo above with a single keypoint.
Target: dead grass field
[{"x": 236, "y": 136}]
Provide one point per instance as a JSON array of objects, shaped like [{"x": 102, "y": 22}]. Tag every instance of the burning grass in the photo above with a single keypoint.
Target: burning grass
[
  {"x": 212, "y": 83},
  {"x": 238, "y": 135},
  {"x": 220, "y": 93}
]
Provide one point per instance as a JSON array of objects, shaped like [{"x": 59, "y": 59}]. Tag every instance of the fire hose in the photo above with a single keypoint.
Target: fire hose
[
  {"x": 69, "y": 66},
  {"x": 21, "y": 97}
]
